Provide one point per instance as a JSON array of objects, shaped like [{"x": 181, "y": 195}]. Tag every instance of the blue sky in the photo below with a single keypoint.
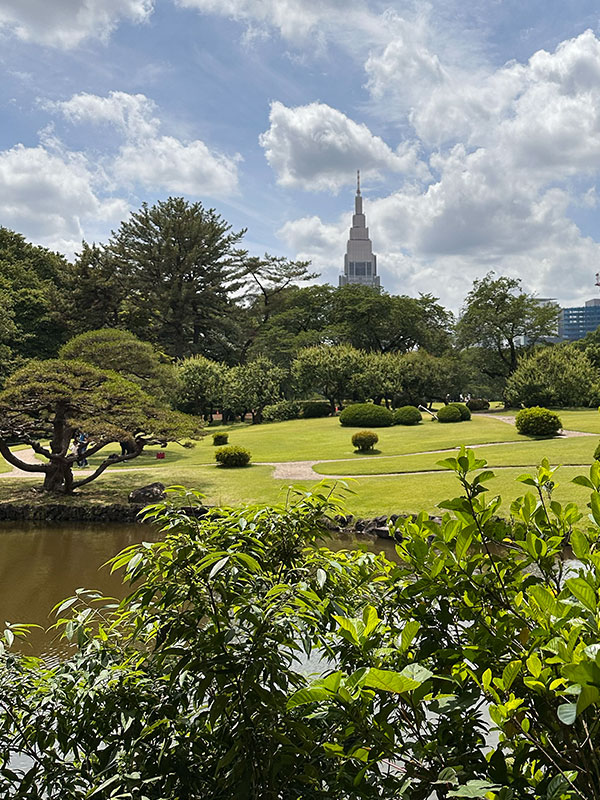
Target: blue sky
[{"x": 476, "y": 126}]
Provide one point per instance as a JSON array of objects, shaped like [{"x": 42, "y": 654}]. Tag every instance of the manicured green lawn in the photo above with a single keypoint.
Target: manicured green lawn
[
  {"x": 578, "y": 450},
  {"x": 312, "y": 440}
]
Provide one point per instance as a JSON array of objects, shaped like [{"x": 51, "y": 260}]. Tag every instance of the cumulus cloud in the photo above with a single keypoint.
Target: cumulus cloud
[
  {"x": 148, "y": 159},
  {"x": 66, "y": 23},
  {"x": 50, "y": 197},
  {"x": 176, "y": 167},
  {"x": 318, "y": 147},
  {"x": 132, "y": 114}
]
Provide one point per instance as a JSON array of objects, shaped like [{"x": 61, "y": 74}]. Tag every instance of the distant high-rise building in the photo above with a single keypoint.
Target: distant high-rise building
[
  {"x": 360, "y": 263},
  {"x": 574, "y": 323}
]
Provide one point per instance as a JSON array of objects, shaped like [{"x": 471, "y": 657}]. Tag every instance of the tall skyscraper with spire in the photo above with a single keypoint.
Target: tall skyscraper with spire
[{"x": 360, "y": 263}]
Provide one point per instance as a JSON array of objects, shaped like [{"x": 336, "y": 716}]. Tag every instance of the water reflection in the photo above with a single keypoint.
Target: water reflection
[{"x": 40, "y": 565}]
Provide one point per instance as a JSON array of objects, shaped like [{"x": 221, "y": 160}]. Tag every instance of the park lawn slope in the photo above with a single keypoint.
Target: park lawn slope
[{"x": 578, "y": 450}]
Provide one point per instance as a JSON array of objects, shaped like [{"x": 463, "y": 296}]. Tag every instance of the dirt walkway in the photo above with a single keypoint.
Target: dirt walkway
[{"x": 28, "y": 456}]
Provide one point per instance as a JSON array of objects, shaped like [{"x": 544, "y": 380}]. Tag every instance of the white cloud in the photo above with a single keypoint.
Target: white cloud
[
  {"x": 132, "y": 114},
  {"x": 148, "y": 159},
  {"x": 51, "y": 197},
  {"x": 176, "y": 167},
  {"x": 317, "y": 147},
  {"x": 66, "y": 23}
]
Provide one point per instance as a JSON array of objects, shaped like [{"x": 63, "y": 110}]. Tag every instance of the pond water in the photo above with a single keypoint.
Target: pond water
[{"x": 40, "y": 565}]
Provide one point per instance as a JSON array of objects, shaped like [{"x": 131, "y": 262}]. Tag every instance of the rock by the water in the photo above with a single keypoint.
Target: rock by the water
[{"x": 151, "y": 493}]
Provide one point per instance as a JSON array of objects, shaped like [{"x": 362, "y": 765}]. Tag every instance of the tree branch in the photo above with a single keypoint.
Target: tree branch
[
  {"x": 105, "y": 464},
  {"x": 9, "y": 456}
]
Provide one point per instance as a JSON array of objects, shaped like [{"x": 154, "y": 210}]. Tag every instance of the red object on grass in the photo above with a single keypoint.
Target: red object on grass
[{"x": 160, "y": 455}]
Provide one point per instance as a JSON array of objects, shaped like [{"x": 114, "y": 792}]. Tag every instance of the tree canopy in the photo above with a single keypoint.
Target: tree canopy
[
  {"x": 498, "y": 317},
  {"x": 53, "y": 400},
  {"x": 177, "y": 262}
]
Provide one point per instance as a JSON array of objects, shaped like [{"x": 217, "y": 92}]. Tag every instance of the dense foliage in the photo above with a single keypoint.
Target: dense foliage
[
  {"x": 449, "y": 413},
  {"x": 557, "y": 376},
  {"x": 465, "y": 413},
  {"x": 219, "y": 439},
  {"x": 311, "y": 409},
  {"x": 466, "y": 669},
  {"x": 279, "y": 412},
  {"x": 233, "y": 456},
  {"x": 407, "y": 415},
  {"x": 537, "y": 421},
  {"x": 364, "y": 440},
  {"x": 360, "y": 414}
]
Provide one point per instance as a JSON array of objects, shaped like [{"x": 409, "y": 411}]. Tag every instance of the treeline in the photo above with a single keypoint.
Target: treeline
[{"x": 176, "y": 276}]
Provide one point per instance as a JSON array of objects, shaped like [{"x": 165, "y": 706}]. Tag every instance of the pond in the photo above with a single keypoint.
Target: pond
[{"x": 40, "y": 565}]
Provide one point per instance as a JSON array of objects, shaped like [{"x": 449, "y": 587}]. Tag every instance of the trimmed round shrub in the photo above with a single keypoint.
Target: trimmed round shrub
[
  {"x": 311, "y": 409},
  {"x": 220, "y": 438},
  {"x": 449, "y": 414},
  {"x": 364, "y": 440},
  {"x": 279, "y": 412},
  {"x": 597, "y": 453},
  {"x": 537, "y": 421},
  {"x": 407, "y": 415},
  {"x": 359, "y": 414},
  {"x": 478, "y": 404},
  {"x": 465, "y": 414},
  {"x": 233, "y": 456}
]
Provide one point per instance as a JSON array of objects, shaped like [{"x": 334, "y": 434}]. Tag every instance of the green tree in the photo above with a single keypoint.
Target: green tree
[
  {"x": 502, "y": 321},
  {"x": 35, "y": 284},
  {"x": 258, "y": 384},
  {"x": 121, "y": 351},
  {"x": 56, "y": 398},
  {"x": 178, "y": 263},
  {"x": 97, "y": 292},
  {"x": 425, "y": 378},
  {"x": 331, "y": 371},
  {"x": 560, "y": 376},
  {"x": 300, "y": 317},
  {"x": 372, "y": 320},
  {"x": 200, "y": 386}
]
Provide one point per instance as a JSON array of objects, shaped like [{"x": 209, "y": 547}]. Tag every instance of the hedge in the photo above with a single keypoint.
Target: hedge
[
  {"x": 407, "y": 415},
  {"x": 361, "y": 414},
  {"x": 537, "y": 421}
]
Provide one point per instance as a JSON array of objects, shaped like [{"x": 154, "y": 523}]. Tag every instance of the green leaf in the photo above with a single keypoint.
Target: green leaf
[
  {"x": 387, "y": 680},
  {"x": 581, "y": 480},
  {"x": 509, "y": 673},
  {"x": 580, "y": 544},
  {"x": 534, "y": 665},
  {"x": 463, "y": 542},
  {"x": 409, "y": 632},
  {"x": 312, "y": 694},
  {"x": 473, "y": 789},
  {"x": 595, "y": 505},
  {"x": 567, "y": 713},
  {"x": 581, "y": 589}
]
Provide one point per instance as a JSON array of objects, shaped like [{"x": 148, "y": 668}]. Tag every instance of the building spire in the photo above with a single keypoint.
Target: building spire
[{"x": 357, "y": 181}]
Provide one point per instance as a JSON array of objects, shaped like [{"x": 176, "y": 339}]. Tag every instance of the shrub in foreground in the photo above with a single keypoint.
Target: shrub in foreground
[
  {"x": 364, "y": 440},
  {"x": 537, "y": 421},
  {"x": 195, "y": 684},
  {"x": 233, "y": 456},
  {"x": 465, "y": 414},
  {"x": 279, "y": 412},
  {"x": 220, "y": 438},
  {"x": 360, "y": 414},
  {"x": 312, "y": 409},
  {"x": 449, "y": 414},
  {"x": 407, "y": 415}
]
